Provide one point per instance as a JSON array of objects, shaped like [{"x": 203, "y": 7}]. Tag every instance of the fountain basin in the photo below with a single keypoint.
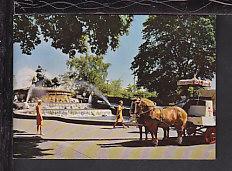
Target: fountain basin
[
  {"x": 77, "y": 112},
  {"x": 90, "y": 120},
  {"x": 51, "y": 105}
]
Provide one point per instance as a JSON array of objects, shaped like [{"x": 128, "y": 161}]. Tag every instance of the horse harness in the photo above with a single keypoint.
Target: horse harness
[{"x": 159, "y": 120}]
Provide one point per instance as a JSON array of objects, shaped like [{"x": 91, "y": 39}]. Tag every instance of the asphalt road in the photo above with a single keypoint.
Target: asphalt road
[{"x": 76, "y": 141}]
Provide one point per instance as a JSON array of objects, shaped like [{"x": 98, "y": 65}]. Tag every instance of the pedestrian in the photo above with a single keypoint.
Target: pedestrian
[
  {"x": 39, "y": 117},
  {"x": 119, "y": 117}
]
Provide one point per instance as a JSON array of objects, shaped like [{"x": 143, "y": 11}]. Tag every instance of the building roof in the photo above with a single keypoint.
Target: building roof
[{"x": 194, "y": 82}]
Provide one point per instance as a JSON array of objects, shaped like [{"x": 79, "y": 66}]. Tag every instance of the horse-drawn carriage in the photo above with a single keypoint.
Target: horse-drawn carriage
[
  {"x": 198, "y": 116},
  {"x": 201, "y": 111}
]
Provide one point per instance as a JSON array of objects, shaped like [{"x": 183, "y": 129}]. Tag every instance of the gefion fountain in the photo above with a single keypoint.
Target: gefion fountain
[{"x": 59, "y": 102}]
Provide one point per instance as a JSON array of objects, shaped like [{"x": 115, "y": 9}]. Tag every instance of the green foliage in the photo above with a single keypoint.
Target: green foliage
[
  {"x": 71, "y": 33},
  {"x": 89, "y": 68},
  {"x": 144, "y": 94},
  {"x": 194, "y": 92},
  {"x": 26, "y": 32},
  {"x": 115, "y": 89},
  {"x": 175, "y": 47}
]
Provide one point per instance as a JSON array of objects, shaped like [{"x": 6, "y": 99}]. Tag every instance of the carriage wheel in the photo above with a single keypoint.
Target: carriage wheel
[{"x": 210, "y": 135}]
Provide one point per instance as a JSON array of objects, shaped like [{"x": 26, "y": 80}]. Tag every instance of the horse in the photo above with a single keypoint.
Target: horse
[
  {"x": 140, "y": 120},
  {"x": 153, "y": 117}
]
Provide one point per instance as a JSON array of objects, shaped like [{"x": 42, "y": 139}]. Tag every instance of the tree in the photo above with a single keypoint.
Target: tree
[
  {"x": 114, "y": 88},
  {"x": 71, "y": 33},
  {"x": 132, "y": 88},
  {"x": 89, "y": 68},
  {"x": 175, "y": 47}
]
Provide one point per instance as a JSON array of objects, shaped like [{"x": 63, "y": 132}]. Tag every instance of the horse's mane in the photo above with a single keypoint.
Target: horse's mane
[{"x": 148, "y": 102}]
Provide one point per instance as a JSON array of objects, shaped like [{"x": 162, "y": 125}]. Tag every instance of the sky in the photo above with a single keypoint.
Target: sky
[{"x": 54, "y": 61}]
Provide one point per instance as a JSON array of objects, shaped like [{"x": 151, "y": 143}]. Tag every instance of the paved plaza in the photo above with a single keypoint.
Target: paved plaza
[{"x": 63, "y": 140}]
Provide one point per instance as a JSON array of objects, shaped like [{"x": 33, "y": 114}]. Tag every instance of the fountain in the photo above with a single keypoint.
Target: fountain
[
  {"x": 58, "y": 102},
  {"x": 90, "y": 98},
  {"x": 29, "y": 92},
  {"x": 91, "y": 88}
]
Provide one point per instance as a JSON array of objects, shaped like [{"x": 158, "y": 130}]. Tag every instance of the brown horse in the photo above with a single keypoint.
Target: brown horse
[
  {"x": 153, "y": 117},
  {"x": 141, "y": 123},
  {"x": 141, "y": 119}
]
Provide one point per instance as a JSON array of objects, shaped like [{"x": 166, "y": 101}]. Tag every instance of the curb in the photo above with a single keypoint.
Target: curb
[{"x": 67, "y": 120}]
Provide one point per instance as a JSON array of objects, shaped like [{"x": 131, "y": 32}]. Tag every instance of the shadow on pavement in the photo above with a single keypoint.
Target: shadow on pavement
[
  {"x": 27, "y": 147},
  {"x": 86, "y": 139},
  {"x": 108, "y": 128},
  {"x": 18, "y": 132},
  {"x": 117, "y": 127},
  {"x": 187, "y": 141}
]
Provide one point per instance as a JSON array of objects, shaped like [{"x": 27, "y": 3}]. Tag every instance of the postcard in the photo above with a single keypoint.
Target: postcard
[{"x": 114, "y": 86}]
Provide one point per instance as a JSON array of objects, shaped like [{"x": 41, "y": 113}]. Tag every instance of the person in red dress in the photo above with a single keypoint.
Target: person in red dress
[{"x": 39, "y": 117}]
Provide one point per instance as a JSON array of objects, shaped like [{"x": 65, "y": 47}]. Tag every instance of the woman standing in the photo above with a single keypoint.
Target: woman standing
[
  {"x": 119, "y": 117},
  {"x": 39, "y": 117}
]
